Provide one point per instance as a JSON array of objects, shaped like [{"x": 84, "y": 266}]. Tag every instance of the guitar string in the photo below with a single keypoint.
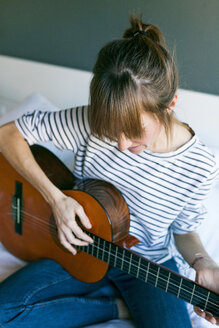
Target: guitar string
[
  {"x": 182, "y": 293},
  {"x": 145, "y": 270},
  {"x": 54, "y": 229},
  {"x": 41, "y": 222}
]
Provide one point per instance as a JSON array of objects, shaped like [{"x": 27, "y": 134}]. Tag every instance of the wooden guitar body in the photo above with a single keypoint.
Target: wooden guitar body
[
  {"x": 28, "y": 230},
  {"x": 103, "y": 204}
]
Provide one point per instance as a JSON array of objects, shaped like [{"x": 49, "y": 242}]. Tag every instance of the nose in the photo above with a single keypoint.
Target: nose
[{"x": 123, "y": 142}]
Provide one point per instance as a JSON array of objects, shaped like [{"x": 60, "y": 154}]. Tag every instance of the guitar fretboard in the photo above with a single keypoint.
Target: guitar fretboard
[{"x": 153, "y": 274}]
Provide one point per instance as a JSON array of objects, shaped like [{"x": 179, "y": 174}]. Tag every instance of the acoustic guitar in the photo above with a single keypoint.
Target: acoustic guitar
[{"x": 28, "y": 230}]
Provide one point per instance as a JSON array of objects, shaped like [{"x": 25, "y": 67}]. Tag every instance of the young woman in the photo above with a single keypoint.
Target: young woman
[{"x": 128, "y": 136}]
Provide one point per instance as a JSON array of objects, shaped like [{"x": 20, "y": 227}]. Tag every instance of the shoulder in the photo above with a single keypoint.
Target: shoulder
[
  {"x": 76, "y": 118},
  {"x": 202, "y": 151},
  {"x": 81, "y": 111},
  {"x": 198, "y": 151},
  {"x": 205, "y": 160}
]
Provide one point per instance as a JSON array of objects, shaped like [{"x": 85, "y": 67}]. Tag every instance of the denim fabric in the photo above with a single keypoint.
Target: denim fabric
[
  {"x": 150, "y": 306},
  {"x": 44, "y": 295}
]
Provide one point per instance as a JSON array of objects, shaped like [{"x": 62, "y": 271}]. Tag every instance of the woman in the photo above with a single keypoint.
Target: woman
[{"x": 128, "y": 136}]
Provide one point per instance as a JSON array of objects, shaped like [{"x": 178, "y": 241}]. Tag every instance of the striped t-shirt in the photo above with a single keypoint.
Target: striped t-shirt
[{"x": 164, "y": 191}]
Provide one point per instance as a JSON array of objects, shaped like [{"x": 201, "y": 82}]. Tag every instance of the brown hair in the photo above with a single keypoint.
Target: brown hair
[{"x": 133, "y": 74}]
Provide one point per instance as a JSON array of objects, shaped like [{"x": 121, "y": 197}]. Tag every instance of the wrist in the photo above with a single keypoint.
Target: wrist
[
  {"x": 202, "y": 262},
  {"x": 53, "y": 196},
  {"x": 198, "y": 258}
]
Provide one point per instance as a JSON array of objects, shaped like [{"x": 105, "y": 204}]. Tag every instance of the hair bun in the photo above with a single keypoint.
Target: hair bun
[{"x": 151, "y": 31}]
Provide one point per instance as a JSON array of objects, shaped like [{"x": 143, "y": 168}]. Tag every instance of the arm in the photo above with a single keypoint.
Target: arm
[
  {"x": 207, "y": 271},
  {"x": 189, "y": 245},
  {"x": 17, "y": 152}
]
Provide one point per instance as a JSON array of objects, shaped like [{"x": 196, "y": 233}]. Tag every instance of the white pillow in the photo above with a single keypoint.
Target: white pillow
[
  {"x": 33, "y": 101},
  {"x": 37, "y": 101}
]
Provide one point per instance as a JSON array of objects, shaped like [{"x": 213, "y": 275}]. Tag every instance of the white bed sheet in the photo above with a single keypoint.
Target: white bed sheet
[{"x": 209, "y": 231}]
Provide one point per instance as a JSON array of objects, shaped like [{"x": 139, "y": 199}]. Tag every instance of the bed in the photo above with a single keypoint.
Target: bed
[{"x": 27, "y": 85}]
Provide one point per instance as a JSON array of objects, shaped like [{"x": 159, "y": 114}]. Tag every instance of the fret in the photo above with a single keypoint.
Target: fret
[
  {"x": 123, "y": 255},
  {"x": 92, "y": 246},
  {"x": 118, "y": 259},
  {"x": 187, "y": 288},
  {"x": 130, "y": 263},
  {"x": 200, "y": 296},
  {"x": 109, "y": 253},
  {"x": 147, "y": 271},
  {"x": 168, "y": 281},
  {"x": 139, "y": 265},
  {"x": 98, "y": 246},
  {"x": 157, "y": 277},
  {"x": 115, "y": 257},
  {"x": 103, "y": 250},
  {"x": 153, "y": 274},
  {"x": 206, "y": 303},
  {"x": 193, "y": 290},
  {"x": 181, "y": 280}
]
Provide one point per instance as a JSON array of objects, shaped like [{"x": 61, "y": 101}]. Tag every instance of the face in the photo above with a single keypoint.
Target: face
[
  {"x": 151, "y": 139},
  {"x": 154, "y": 137}
]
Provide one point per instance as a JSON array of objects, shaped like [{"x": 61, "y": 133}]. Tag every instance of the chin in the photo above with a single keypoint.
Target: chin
[{"x": 137, "y": 150}]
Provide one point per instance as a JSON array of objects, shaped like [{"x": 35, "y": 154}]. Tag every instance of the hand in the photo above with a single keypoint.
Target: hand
[
  {"x": 207, "y": 275},
  {"x": 65, "y": 211}
]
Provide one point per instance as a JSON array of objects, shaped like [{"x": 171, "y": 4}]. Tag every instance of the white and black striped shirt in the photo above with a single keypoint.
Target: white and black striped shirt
[{"x": 164, "y": 191}]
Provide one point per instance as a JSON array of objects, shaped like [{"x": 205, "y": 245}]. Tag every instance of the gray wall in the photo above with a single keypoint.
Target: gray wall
[{"x": 71, "y": 32}]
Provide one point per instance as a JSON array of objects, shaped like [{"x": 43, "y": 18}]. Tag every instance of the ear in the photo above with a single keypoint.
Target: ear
[{"x": 173, "y": 103}]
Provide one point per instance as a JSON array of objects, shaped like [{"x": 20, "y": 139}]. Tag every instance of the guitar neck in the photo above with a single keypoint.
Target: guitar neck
[{"x": 153, "y": 273}]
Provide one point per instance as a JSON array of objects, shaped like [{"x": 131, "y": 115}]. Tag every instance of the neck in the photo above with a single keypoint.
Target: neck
[
  {"x": 162, "y": 143},
  {"x": 178, "y": 136}
]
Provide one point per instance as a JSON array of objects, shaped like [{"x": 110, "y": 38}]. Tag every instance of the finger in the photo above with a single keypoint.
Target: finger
[
  {"x": 80, "y": 234},
  {"x": 72, "y": 239},
  {"x": 199, "y": 312},
  {"x": 83, "y": 217},
  {"x": 66, "y": 244},
  {"x": 75, "y": 231},
  {"x": 71, "y": 228},
  {"x": 208, "y": 316}
]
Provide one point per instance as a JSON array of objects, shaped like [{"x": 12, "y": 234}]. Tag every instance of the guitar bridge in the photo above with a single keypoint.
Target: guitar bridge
[{"x": 17, "y": 207}]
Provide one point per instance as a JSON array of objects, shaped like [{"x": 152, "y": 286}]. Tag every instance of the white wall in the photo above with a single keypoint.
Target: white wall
[{"x": 201, "y": 111}]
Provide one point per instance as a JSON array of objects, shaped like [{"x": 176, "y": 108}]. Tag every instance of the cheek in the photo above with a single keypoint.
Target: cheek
[{"x": 151, "y": 133}]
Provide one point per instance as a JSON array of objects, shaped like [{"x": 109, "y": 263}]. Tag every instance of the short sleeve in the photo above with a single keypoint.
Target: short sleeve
[
  {"x": 194, "y": 212},
  {"x": 65, "y": 128}
]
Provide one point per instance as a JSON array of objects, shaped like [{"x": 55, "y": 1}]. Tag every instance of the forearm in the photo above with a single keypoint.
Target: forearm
[
  {"x": 189, "y": 245},
  {"x": 17, "y": 152},
  {"x": 207, "y": 271}
]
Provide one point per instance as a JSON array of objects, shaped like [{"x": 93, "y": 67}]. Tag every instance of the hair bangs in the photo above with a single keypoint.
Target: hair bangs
[{"x": 115, "y": 108}]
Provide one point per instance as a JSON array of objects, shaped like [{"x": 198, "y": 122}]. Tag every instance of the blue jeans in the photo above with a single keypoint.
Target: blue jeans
[{"x": 44, "y": 295}]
